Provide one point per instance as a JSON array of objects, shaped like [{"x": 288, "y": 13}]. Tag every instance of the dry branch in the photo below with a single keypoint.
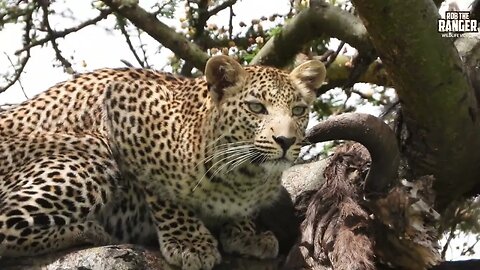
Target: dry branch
[
  {"x": 23, "y": 60},
  {"x": 222, "y": 6},
  {"x": 123, "y": 30},
  {"x": 61, "y": 34},
  {"x": 58, "y": 54},
  {"x": 161, "y": 32}
]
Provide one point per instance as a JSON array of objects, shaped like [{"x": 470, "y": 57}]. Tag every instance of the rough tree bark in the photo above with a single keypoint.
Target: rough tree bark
[{"x": 438, "y": 102}]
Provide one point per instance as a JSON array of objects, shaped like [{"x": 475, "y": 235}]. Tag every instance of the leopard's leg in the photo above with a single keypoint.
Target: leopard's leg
[
  {"x": 50, "y": 201},
  {"x": 39, "y": 240},
  {"x": 241, "y": 237},
  {"x": 184, "y": 239}
]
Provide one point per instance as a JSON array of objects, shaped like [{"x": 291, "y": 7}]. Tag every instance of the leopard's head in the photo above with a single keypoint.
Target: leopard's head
[{"x": 262, "y": 112}]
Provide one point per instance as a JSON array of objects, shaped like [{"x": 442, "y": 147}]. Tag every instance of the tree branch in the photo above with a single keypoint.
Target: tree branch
[
  {"x": 161, "y": 32},
  {"x": 65, "y": 63},
  {"x": 17, "y": 78},
  {"x": 320, "y": 18},
  {"x": 199, "y": 23},
  {"x": 23, "y": 60},
  {"x": 438, "y": 103},
  {"x": 340, "y": 74},
  {"x": 221, "y": 7},
  {"x": 123, "y": 30},
  {"x": 60, "y": 34}
]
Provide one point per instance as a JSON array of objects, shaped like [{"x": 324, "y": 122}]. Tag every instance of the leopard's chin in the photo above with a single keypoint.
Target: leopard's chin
[
  {"x": 277, "y": 160},
  {"x": 278, "y": 164}
]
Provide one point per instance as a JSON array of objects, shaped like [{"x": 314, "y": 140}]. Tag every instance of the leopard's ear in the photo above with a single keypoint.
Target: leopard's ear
[
  {"x": 225, "y": 77},
  {"x": 308, "y": 77}
]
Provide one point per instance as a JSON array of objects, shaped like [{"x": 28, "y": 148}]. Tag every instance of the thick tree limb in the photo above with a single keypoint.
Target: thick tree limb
[
  {"x": 132, "y": 257},
  {"x": 161, "y": 32},
  {"x": 339, "y": 74},
  {"x": 439, "y": 105},
  {"x": 320, "y": 18},
  {"x": 469, "y": 50}
]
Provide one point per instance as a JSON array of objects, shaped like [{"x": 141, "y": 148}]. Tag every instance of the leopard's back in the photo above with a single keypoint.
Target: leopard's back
[{"x": 76, "y": 105}]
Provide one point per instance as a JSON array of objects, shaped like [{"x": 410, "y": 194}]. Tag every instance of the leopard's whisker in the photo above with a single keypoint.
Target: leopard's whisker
[
  {"x": 234, "y": 155},
  {"x": 239, "y": 155},
  {"x": 220, "y": 153},
  {"x": 240, "y": 158},
  {"x": 241, "y": 161},
  {"x": 218, "y": 147}
]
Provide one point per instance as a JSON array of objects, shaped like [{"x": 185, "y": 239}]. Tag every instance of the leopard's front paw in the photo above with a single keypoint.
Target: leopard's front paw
[
  {"x": 195, "y": 253},
  {"x": 242, "y": 239}
]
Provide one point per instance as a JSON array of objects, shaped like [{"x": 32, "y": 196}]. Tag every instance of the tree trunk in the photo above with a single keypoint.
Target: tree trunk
[{"x": 438, "y": 102}]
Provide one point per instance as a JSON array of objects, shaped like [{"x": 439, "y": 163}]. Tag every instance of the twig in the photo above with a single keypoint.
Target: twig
[
  {"x": 126, "y": 63},
  {"x": 222, "y": 6},
  {"x": 334, "y": 55},
  {"x": 144, "y": 53},
  {"x": 324, "y": 57},
  {"x": 455, "y": 220},
  {"x": 451, "y": 235},
  {"x": 60, "y": 34},
  {"x": 17, "y": 74},
  {"x": 230, "y": 23},
  {"x": 471, "y": 248},
  {"x": 65, "y": 63},
  {"x": 18, "y": 79},
  {"x": 24, "y": 60},
  {"x": 121, "y": 24}
]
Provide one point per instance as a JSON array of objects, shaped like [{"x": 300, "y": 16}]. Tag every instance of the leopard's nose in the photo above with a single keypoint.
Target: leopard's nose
[{"x": 284, "y": 142}]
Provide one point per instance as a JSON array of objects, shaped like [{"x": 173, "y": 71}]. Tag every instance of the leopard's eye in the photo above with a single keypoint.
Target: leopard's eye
[
  {"x": 299, "y": 110},
  {"x": 257, "y": 107}
]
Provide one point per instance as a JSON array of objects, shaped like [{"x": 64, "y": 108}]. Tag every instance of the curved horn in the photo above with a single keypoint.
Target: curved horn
[{"x": 372, "y": 133}]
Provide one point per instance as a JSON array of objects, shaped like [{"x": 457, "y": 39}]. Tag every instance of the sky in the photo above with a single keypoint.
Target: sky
[{"x": 94, "y": 48}]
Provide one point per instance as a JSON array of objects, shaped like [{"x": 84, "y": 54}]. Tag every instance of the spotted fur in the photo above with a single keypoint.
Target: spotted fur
[{"x": 140, "y": 156}]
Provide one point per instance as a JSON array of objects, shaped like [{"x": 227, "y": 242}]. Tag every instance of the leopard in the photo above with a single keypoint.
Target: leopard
[{"x": 127, "y": 155}]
